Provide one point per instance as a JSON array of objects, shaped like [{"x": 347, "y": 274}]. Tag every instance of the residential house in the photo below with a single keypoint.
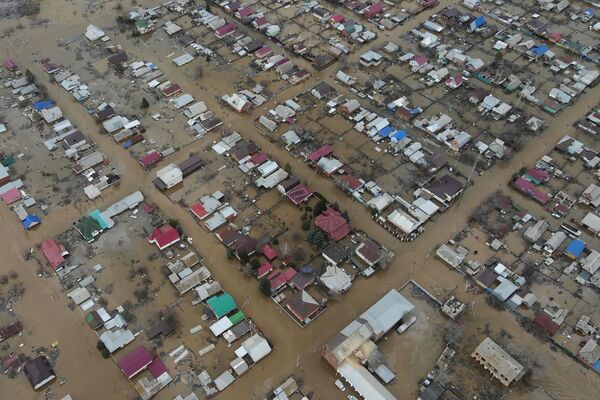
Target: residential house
[
  {"x": 164, "y": 236},
  {"x": 333, "y": 223},
  {"x": 322, "y": 90},
  {"x": 39, "y": 372},
  {"x": 445, "y": 189}
]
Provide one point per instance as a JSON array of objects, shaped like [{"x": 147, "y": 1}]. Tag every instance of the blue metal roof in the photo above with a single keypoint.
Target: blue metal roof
[
  {"x": 42, "y": 104},
  {"x": 539, "y": 50},
  {"x": 575, "y": 248},
  {"x": 387, "y": 131},
  {"x": 479, "y": 21},
  {"x": 399, "y": 135}
]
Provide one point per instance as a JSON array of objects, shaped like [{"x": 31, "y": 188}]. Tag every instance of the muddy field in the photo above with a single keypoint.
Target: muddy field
[{"x": 43, "y": 307}]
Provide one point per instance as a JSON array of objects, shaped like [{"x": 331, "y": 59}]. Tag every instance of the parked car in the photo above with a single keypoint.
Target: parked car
[{"x": 340, "y": 385}]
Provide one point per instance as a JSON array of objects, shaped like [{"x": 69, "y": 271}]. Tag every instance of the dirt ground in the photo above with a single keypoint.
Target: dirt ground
[{"x": 47, "y": 318}]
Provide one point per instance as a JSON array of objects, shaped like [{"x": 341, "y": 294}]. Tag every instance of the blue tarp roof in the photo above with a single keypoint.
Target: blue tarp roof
[
  {"x": 590, "y": 12},
  {"x": 399, "y": 135},
  {"x": 31, "y": 221},
  {"x": 575, "y": 248},
  {"x": 42, "y": 104},
  {"x": 539, "y": 50},
  {"x": 387, "y": 131},
  {"x": 597, "y": 365}
]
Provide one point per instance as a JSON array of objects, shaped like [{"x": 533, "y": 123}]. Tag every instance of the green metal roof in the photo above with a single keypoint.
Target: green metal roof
[
  {"x": 237, "y": 317},
  {"x": 88, "y": 227}
]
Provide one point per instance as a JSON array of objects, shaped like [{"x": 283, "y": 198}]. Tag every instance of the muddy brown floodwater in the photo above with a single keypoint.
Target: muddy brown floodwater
[{"x": 44, "y": 307}]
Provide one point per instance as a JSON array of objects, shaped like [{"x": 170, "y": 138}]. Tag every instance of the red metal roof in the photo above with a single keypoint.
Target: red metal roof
[
  {"x": 263, "y": 270},
  {"x": 50, "y": 67},
  {"x": 529, "y": 189},
  {"x": 333, "y": 224},
  {"x": 171, "y": 90},
  {"x": 374, "y": 9},
  {"x": 225, "y": 29},
  {"x": 323, "y": 151},
  {"x": 545, "y": 322},
  {"x": 53, "y": 252},
  {"x": 244, "y": 12},
  {"x": 157, "y": 367},
  {"x": 164, "y": 236},
  {"x": 420, "y": 59},
  {"x": 259, "y": 159},
  {"x": 199, "y": 211},
  {"x": 11, "y": 195},
  {"x": 299, "y": 194},
  {"x": 269, "y": 252},
  {"x": 538, "y": 174},
  {"x": 282, "y": 61},
  {"x": 261, "y": 21},
  {"x": 135, "y": 362},
  {"x": 281, "y": 279},
  {"x": 263, "y": 52},
  {"x": 351, "y": 182},
  {"x": 150, "y": 158},
  {"x": 338, "y": 18},
  {"x": 10, "y": 65}
]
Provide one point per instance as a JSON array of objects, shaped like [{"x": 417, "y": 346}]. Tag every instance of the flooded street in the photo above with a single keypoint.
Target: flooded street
[{"x": 44, "y": 308}]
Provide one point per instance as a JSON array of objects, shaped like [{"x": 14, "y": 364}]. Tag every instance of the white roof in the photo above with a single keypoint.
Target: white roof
[
  {"x": 329, "y": 165},
  {"x": 267, "y": 168},
  {"x": 224, "y": 380},
  {"x": 13, "y": 184},
  {"x": 4, "y": 172},
  {"x": 272, "y": 180},
  {"x": 502, "y": 108},
  {"x": 367, "y": 386},
  {"x": 215, "y": 222},
  {"x": 403, "y": 221},
  {"x": 387, "y": 312},
  {"x": 126, "y": 203},
  {"x": 336, "y": 279},
  {"x": 556, "y": 239},
  {"x": 592, "y": 221},
  {"x": 220, "y": 326},
  {"x": 505, "y": 289},
  {"x": 379, "y": 203},
  {"x": 427, "y": 206},
  {"x": 170, "y": 175},
  {"x": 115, "y": 340},
  {"x": 93, "y": 33},
  {"x": 183, "y": 100},
  {"x": 257, "y": 347},
  {"x": 79, "y": 295},
  {"x": 51, "y": 114},
  {"x": 290, "y": 137},
  {"x": 592, "y": 262},
  {"x": 195, "y": 109},
  {"x": 62, "y": 125},
  {"x": 183, "y": 59},
  {"x": 114, "y": 123}
]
